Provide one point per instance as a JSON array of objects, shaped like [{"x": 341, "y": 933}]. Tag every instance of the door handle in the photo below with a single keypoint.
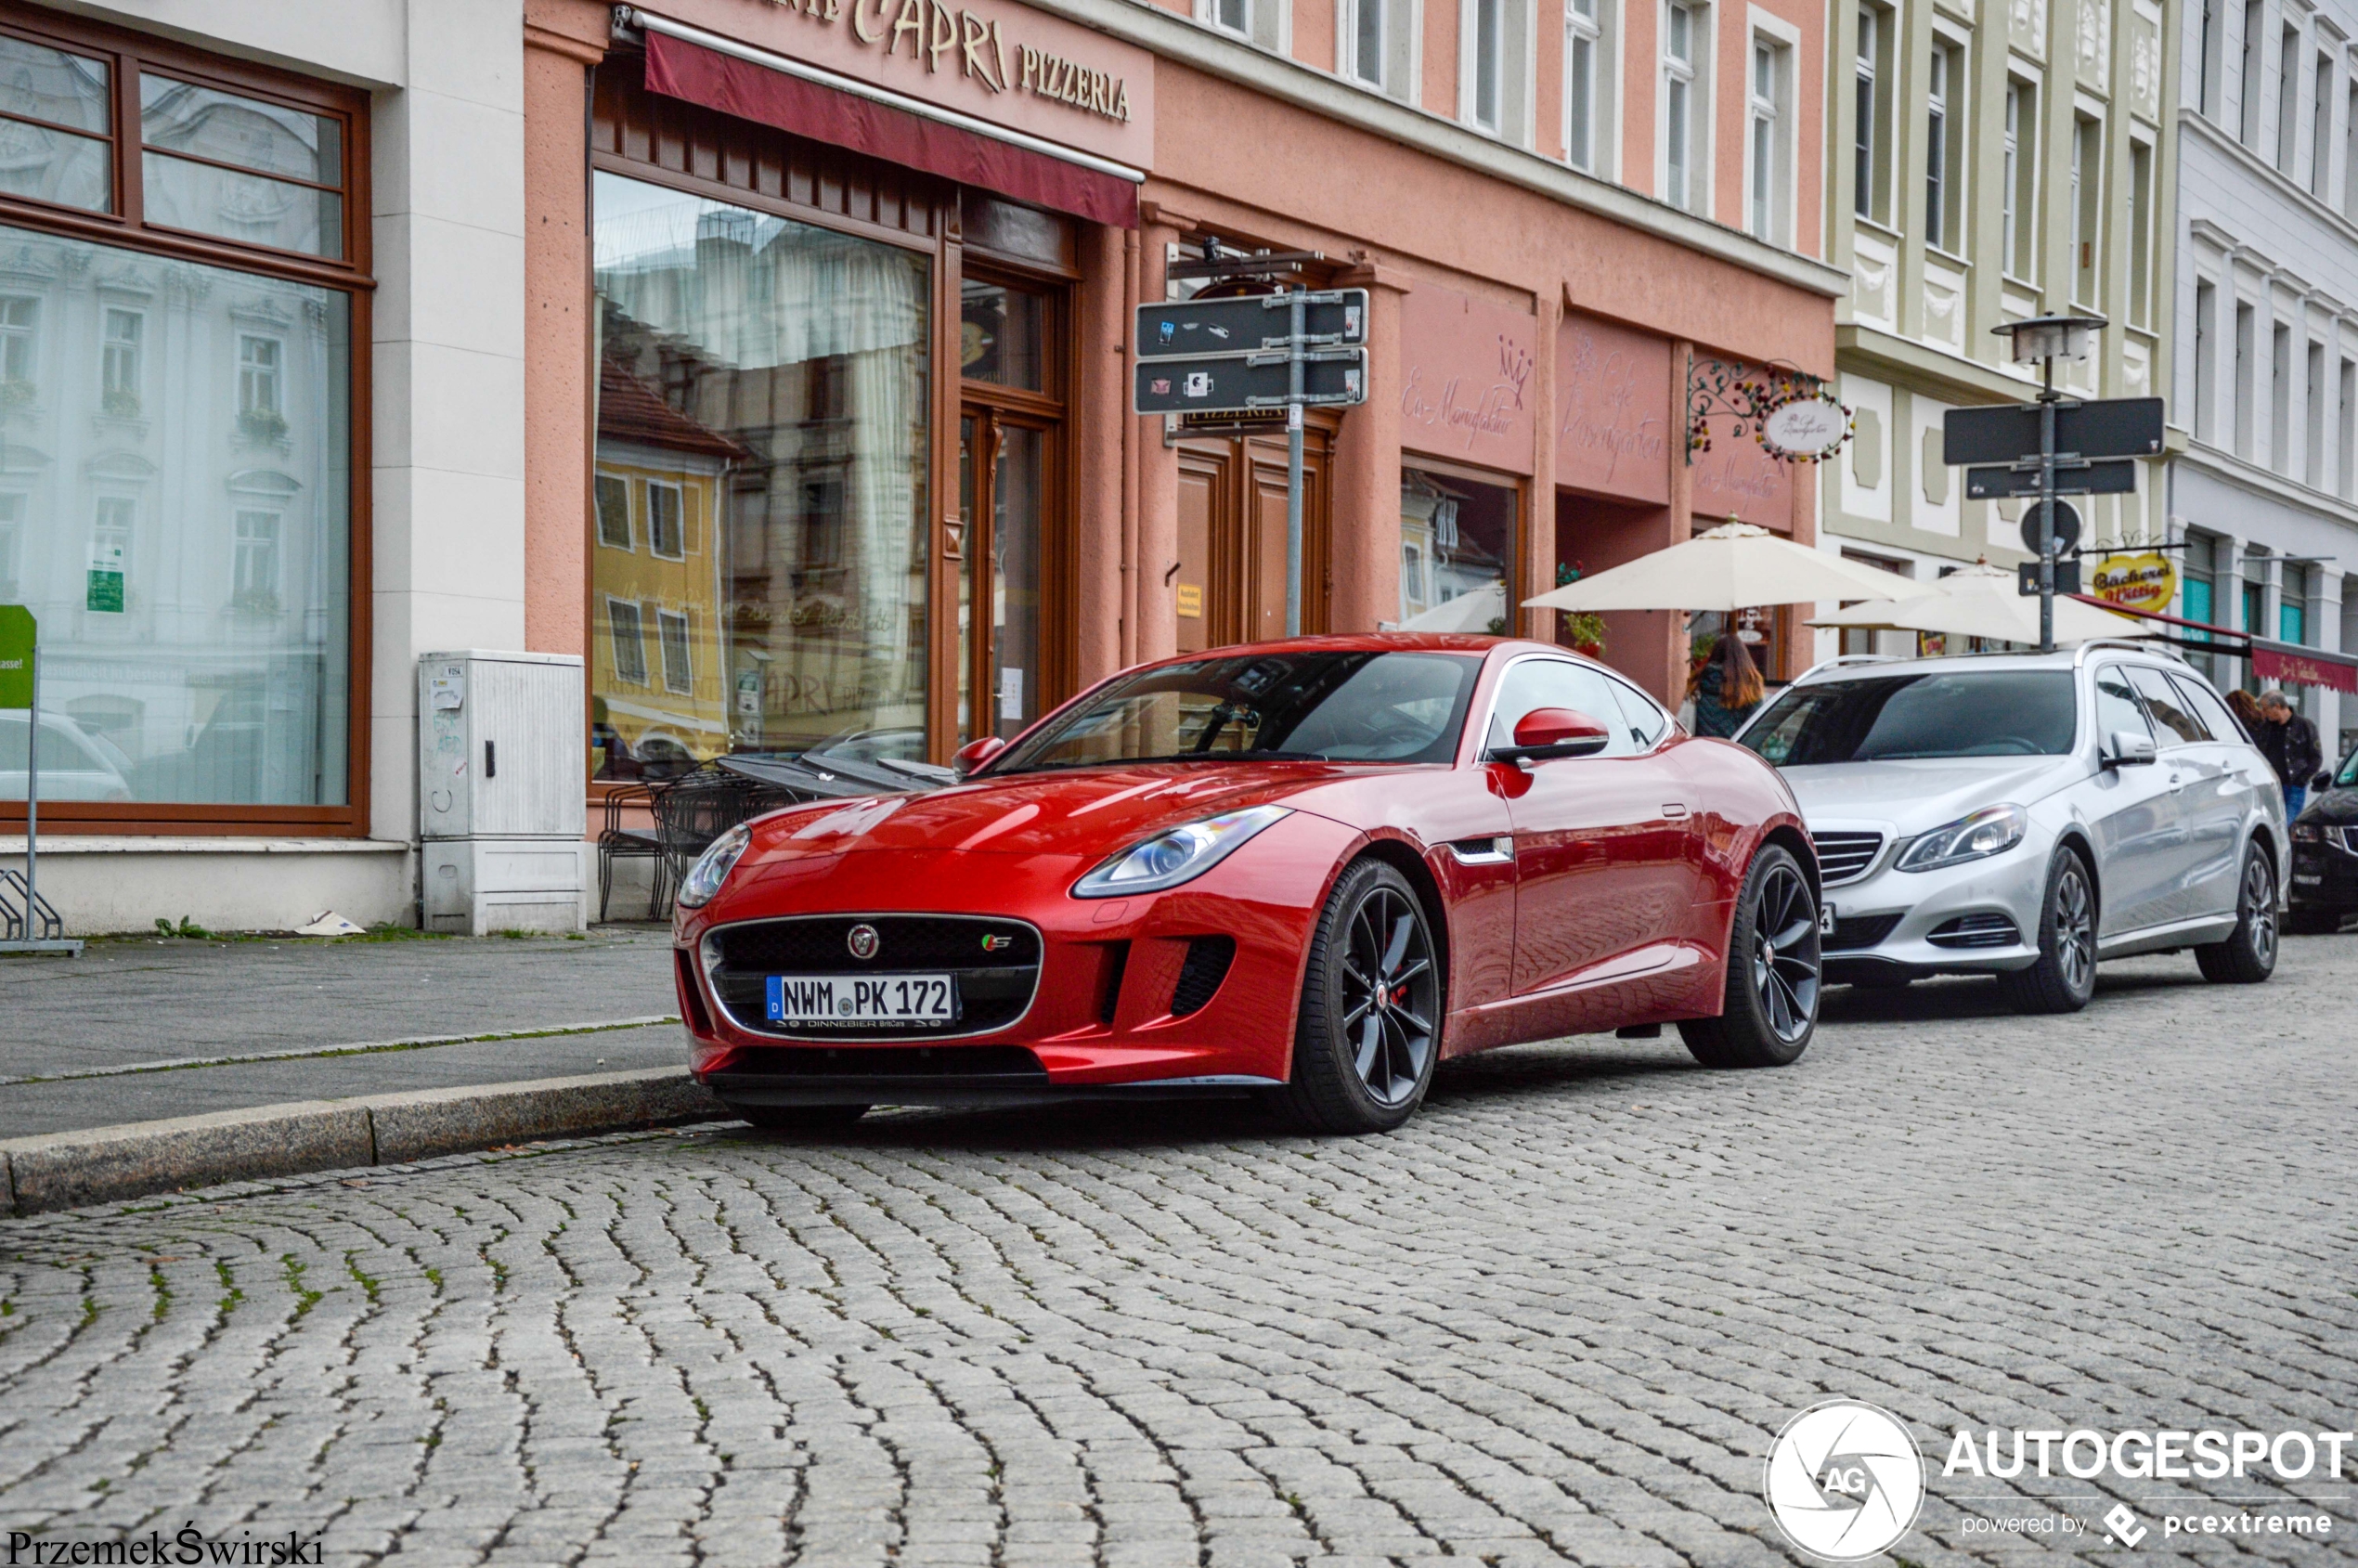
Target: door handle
[
  {"x": 2176, "y": 784},
  {"x": 1674, "y": 809}
]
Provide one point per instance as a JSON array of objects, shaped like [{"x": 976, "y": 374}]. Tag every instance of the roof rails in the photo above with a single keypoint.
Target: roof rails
[
  {"x": 1841, "y": 659},
  {"x": 2126, "y": 645}
]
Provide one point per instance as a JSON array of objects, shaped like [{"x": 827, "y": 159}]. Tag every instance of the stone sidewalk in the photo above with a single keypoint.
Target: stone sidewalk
[{"x": 92, "y": 1042}]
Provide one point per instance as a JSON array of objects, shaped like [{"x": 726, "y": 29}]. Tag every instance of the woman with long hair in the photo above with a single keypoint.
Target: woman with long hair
[
  {"x": 1725, "y": 687},
  {"x": 2245, "y": 707}
]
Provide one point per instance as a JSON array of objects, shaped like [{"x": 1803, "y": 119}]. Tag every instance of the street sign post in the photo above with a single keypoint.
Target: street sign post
[
  {"x": 1220, "y": 357},
  {"x": 2111, "y": 476},
  {"x": 38, "y": 929},
  {"x": 2050, "y": 447}
]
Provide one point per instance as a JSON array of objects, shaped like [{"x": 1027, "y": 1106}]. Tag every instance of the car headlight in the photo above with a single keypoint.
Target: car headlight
[
  {"x": 704, "y": 879},
  {"x": 1991, "y": 831},
  {"x": 1175, "y": 855},
  {"x": 2308, "y": 833}
]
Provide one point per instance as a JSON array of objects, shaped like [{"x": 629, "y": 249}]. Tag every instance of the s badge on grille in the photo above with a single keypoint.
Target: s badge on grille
[
  {"x": 863, "y": 942},
  {"x": 994, "y": 942}
]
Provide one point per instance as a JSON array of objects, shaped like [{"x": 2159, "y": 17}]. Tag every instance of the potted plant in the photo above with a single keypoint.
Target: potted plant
[{"x": 1585, "y": 630}]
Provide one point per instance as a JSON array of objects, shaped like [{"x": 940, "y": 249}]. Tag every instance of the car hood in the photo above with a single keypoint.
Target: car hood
[
  {"x": 1085, "y": 813},
  {"x": 2336, "y": 806},
  {"x": 1912, "y": 795}
]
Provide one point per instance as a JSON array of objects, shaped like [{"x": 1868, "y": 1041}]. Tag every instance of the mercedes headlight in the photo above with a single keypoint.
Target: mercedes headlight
[
  {"x": 1991, "y": 831},
  {"x": 1176, "y": 855},
  {"x": 704, "y": 879}
]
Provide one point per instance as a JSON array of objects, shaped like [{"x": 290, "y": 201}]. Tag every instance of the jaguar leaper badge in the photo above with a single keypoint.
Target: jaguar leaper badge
[{"x": 863, "y": 942}]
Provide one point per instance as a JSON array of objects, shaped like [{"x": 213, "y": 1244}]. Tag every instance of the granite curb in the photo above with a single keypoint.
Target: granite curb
[{"x": 103, "y": 1164}]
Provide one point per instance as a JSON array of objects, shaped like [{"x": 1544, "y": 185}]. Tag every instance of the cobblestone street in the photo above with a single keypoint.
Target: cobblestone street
[{"x": 1559, "y": 1317}]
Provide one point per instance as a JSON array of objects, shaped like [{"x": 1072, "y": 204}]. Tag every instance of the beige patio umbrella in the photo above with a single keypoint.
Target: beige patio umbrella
[
  {"x": 1734, "y": 567},
  {"x": 1983, "y": 600}
]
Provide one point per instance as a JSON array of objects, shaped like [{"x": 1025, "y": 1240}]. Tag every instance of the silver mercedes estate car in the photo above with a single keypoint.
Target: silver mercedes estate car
[{"x": 2026, "y": 815}]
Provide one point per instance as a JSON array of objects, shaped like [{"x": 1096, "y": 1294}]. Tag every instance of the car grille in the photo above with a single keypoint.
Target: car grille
[
  {"x": 2347, "y": 836},
  {"x": 1842, "y": 857},
  {"x": 995, "y": 983},
  {"x": 1858, "y": 931},
  {"x": 1975, "y": 931},
  {"x": 1200, "y": 977}
]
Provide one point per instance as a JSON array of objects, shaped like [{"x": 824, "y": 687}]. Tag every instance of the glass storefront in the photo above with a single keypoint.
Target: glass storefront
[
  {"x": 1009, "y": 431},
  {"x": 758, "y": 562},
  {"x": 1456, "y": 553}
]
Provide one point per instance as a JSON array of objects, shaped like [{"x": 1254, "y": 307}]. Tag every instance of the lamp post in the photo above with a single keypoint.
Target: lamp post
[{"x": 2045, "y": 338}]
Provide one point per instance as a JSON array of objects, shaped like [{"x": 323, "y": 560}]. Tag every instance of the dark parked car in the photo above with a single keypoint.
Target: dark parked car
[{"x": 2325, "y": 851}]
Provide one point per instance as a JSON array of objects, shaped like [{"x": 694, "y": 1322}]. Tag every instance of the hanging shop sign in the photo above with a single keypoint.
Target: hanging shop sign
[
  {"x": 996, "y": 61},
  {"x": 2142, "y": 583},
  {"x": 1791, "y": 416}
]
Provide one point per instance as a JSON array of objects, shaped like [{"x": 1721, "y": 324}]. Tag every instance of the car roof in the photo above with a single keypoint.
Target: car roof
[
  {"x": 1370, "y": 642},
  {"x": 1953, "y": 664}
]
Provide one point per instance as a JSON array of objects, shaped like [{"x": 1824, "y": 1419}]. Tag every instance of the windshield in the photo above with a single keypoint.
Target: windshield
[
  {"x": 1926, "y": 714},
  {"x": 1318, "y": 706},
  {"x": 2348, "y": 774}
]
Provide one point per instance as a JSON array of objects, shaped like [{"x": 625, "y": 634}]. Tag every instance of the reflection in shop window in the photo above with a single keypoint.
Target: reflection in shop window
[
  {"x": 772, "y": 374},
  {"x": 258, "y": 413},
  {"x": 1456, "y": 553},
  {"x": 257, "y": 173},
  {"x": 192, "y": 587},
  {"x": 71, "y": 93},
  {"x": 629, "y": 642},
  {"x": 614, "y": 511}
]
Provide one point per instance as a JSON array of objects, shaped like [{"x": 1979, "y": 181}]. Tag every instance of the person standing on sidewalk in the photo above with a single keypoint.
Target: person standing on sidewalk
[
  {"x": 1725, "y": 688},
  {"x": 2289, "y": 743}
]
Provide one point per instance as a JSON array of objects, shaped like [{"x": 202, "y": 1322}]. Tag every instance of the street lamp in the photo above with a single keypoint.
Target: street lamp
[{"x": 2046, "y": 339}]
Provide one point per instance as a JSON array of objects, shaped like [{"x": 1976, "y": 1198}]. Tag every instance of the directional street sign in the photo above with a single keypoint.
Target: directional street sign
[
  {"x": 1232, "y": 384},
  {"x": 1190, "y": 328},
  {"x": 2067, "y": 530},
  {"x": 2115, "y": 427},
  {"x": 2027, "y": 579},
  {"x": 2110, "y": 477}
]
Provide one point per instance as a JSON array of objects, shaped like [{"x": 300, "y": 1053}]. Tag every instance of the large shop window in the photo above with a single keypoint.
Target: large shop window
[
  {"x": 757, "y": 567},
  {"x": 175, "y": 434},
  {"x": 1456, "y": 553}
]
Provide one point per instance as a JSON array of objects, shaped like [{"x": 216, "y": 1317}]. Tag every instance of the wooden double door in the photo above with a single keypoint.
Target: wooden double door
[{"x": 1230, "y": 583}]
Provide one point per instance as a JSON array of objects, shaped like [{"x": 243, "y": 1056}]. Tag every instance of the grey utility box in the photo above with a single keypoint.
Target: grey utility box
[{"x": 501, "y": 796}]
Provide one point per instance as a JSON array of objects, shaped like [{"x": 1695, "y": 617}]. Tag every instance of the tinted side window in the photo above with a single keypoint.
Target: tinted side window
[
  {"x": 1646, "y": 721},
  {"x": 2215, "y": 714},
  {"x": 2175, "y": 722},
  {"x": 1555, "y": 683},
  {"x": 2117, "y": 706}
]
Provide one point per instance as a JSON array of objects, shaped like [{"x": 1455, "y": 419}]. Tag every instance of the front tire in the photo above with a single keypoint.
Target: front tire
[
  {"x": 797, "y": 1118},
  {"x": 1775, "y": 970},
  {"x": 1370, "y": 1026},
  {"x": 2249, "y": 954},
  {"x": 2064, "y": 977}
]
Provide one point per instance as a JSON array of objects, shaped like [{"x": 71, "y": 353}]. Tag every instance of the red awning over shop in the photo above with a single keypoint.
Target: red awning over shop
[{"x": 750, "y": 91}]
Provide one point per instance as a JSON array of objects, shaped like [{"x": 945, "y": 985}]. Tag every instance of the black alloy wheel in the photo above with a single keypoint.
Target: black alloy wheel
[
  {"x": 1775, "y": 971},
  {"x": 2063, "y": 976},
  {"x": 2249, "y": 954},
  {"x": 1370, "y": 1025}
]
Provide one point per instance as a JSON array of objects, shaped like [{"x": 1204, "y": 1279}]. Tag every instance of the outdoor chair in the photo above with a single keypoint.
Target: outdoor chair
[{"x": 618, "y": 841}]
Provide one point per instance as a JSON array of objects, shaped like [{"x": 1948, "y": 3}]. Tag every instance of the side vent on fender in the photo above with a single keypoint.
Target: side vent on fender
[
  {"x": 691, "y": 996},
  {"x": 1200, "y": 977}
]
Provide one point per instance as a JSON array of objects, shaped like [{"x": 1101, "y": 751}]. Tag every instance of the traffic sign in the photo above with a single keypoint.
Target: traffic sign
[
  {"x": 1233, "y": 384},
  {"x": 2027, "y": 579},
  {"x": 1235, "y": 324},
  {"x": 16, "y": 656},
  {"x": 2112, "y": 427},
  {"x": 2066, "y": 527},
  {"x": 2110, "y": 477}
]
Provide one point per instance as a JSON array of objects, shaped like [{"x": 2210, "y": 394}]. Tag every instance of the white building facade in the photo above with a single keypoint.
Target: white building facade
[
  {"x": 262, "y": 345},
  {"x": 2265, "y": 494}
]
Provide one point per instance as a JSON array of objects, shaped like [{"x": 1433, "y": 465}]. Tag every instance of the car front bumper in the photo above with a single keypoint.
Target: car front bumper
[
  {"x": 1979, "y": 917},
  {"x": 2324, "y": 871}
]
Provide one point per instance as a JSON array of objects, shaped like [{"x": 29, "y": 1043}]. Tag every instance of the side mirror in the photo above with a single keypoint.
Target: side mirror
[
  {"x": 974, "y": 753},
  {"x": 2322, "y": 782},
  {"x": 2126, "y": 748},
  {"x": 1547, "y": 733}
]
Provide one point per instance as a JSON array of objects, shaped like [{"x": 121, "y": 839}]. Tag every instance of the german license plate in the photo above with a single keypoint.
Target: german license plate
[{"x": 853, "y": 999}]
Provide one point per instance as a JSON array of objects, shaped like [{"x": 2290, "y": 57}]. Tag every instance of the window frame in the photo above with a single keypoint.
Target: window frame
[
  {"x": 1775, "y": 113},
  {"x": 1871, "y": 134},
  {"x": 123, "y": 226},
  {"x": 1692, "y": 72},
  {"x": 1597, "y": 29},
  {"x": 1944, "y": 164}
]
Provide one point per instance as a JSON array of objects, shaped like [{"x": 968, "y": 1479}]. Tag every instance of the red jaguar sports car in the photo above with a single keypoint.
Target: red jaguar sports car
[{"x": 1307, "y": 870}]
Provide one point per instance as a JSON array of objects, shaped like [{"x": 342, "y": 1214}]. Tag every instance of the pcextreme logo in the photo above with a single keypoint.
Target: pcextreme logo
[{"x": 1844, "y": 1480}]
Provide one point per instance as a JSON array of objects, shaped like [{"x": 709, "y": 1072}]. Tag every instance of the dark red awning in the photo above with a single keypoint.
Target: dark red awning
[{"x": 681, "y": 70}]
